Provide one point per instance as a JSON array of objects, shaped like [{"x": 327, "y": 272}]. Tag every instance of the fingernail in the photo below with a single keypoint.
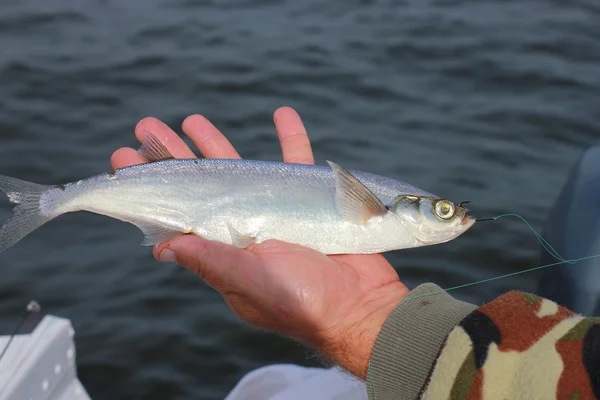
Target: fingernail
[{"x": 167, "y": 256}]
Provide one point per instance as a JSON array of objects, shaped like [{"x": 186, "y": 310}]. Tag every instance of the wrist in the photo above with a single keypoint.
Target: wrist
[
  {"x": 350, "y": 343},
  {"x": 410, "y": 340}
]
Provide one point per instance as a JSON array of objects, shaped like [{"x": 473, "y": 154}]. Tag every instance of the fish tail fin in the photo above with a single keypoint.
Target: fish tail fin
[{"x": 27, "y": 215}]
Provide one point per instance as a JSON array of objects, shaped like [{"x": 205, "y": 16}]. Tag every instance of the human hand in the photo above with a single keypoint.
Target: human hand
[{"x": 335, "y": 304}]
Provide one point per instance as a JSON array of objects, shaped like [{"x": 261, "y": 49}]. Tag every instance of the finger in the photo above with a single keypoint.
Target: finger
[
  {"x": 225, "y": 268},
  {"x": 125, "y": 157},
  {"x": 174, "y": 143},
  {"x": 293, "y": 137},
  {"x": 209, "y": 140}
]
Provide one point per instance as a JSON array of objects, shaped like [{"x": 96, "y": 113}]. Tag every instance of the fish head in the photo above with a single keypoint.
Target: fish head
[{"x": 432, "y": 220}]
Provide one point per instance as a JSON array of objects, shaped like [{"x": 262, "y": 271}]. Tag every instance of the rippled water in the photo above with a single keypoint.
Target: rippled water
[{"x": 474, "y": 100}]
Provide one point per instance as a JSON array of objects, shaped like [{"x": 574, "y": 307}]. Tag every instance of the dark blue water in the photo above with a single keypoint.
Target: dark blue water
[{"x": 485, "y": 101}]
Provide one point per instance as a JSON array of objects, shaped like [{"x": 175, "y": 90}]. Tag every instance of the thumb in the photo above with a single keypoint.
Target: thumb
[{"x": 220, "y": 265}]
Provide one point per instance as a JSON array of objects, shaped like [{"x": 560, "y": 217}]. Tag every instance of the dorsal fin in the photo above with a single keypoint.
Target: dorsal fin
[
  {"x": 153, "y": 150},
  {"x": 353, "y": 200}
]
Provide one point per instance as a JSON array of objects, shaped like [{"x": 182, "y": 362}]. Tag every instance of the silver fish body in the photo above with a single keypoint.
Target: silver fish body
[{"x": 243, "y": 201}]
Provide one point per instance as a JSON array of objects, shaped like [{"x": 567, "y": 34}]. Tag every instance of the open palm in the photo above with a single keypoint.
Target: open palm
[{"x": 336, "y": 304}]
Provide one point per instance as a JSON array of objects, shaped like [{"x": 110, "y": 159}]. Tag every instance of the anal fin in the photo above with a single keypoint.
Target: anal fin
[
  {"x": 154, "y": 234},
  {"x": 239, "y": 239}
]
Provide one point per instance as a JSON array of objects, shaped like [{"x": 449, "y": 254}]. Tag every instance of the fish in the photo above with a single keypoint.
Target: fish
[{"x": 244, "y": 202}]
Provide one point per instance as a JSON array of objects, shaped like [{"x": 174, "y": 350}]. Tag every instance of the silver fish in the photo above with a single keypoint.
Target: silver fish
[{"x": 240, "y": 202}]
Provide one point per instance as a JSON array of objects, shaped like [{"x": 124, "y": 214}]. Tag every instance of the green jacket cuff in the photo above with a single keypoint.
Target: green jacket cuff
[{"x": 410, "y": 341}]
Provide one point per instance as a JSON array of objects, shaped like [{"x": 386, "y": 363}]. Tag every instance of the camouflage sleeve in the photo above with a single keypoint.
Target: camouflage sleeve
[{"x": 519, "y": 346}]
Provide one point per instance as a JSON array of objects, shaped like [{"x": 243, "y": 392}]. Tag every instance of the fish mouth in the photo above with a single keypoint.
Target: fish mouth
[{"x": 466, "y": 219}]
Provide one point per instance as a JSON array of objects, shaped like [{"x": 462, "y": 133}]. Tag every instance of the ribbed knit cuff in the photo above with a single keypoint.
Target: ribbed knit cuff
[{"x": 410, "y": 341}]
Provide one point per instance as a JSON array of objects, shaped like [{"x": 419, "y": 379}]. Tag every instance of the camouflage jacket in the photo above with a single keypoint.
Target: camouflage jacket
[{"x": 519, "y": 346}]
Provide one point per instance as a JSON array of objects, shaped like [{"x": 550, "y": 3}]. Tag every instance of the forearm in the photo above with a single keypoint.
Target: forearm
[{"x": 350, "y": 345}]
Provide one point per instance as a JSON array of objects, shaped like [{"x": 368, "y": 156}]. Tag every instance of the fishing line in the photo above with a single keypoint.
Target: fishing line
[
  {"x": 545, "y": 245},
  {"x": 32, "y": 309}
]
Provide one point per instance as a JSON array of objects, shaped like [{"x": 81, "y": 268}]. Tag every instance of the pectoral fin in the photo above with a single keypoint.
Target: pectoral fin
[
  {"x": 154, "y": 234},
  {"x": 239, "y": 239},
  {"x": 353, "y": 200},
  {"x": 153, "y": 150}
]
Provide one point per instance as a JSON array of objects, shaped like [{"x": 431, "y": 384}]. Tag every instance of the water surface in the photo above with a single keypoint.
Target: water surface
[{"x": 472, "y": 100}]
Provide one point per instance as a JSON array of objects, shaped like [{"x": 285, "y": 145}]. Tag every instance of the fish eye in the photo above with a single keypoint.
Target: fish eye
[{"x": 444, "y": 209}]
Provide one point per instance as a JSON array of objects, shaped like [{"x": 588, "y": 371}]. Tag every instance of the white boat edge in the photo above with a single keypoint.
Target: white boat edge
[{"x": 41, "y": 365}]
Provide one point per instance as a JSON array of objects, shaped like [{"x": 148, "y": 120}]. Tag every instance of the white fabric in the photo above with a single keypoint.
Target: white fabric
[{"x": 292, "y": 382}]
